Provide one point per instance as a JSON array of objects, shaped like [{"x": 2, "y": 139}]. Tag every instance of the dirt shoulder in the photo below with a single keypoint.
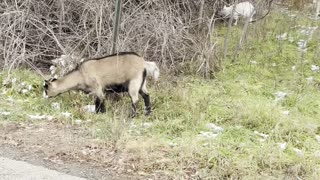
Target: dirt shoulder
[{"x": 60, "y": 147}]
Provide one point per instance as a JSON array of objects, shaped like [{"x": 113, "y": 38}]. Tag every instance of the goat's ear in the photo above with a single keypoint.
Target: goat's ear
[
  {"x": 52, "y": 79},
  {"x": 46, "y": 83}
]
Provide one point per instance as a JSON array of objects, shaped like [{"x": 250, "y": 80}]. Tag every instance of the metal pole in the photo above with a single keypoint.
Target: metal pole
[{"x": 116, "y": 26}]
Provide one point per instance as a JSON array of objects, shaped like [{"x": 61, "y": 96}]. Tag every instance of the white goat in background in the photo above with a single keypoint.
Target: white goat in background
[{"x": 244, "y": 9}]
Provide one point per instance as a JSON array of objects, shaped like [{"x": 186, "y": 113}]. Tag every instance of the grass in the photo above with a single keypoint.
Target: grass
[{"x": 240, "y": 99}]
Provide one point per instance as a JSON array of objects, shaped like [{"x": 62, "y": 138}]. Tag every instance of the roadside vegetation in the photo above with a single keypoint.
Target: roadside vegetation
[{"x": 257, "y": 118}]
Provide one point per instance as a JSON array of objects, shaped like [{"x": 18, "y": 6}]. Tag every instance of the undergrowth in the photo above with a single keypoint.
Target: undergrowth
[{"x": 241, "y": 100}]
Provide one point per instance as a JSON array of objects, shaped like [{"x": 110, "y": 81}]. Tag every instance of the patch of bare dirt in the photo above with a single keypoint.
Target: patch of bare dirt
[{"x": 63, "y": 148}]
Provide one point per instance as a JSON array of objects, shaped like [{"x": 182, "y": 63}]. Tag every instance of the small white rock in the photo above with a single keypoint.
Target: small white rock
[
  {"x": 205, "y": 144},
  {"x": 66, "y": 114},
  {"x": 5, "y": 113},
  {"x": 207, "y": 135},
  {"x": 14, "y": 80},
  {"x": 317, "y": 154},
  {"x": 214, "y": 128},
  {"x": 315, "y": 68},
  {"x": 37, "y": 117},
  {"x": 10, "y": 99},
  {"x": 265, "y": 136},
  {"x": 282, "y": 37},
  {"x": 55, "y": 105},
  {"x": 4, "y": 92},
  {"x": 253, "y": 62},
  {"x": 23, "y": 84},
  {"x": 318, "y": 138},
  {"x": 309, "y": 79},
  {"x": 298, "y": 152},
  {"x": 147, "y": 124},
  {"x": 132, "y": 125},
  {"x": 89, "y": 108},
  {"x": 24, "y": 91},
  {"x": 293, "y": 68},
  {"x": 302, "y": 44},
  {"x": 282, "y": 146},
  {"x": 172, "y": 144},
  {"x": 78, "y": 121},
  {"x": 280, "y": 95},
  {"x": 285, "y": 113}
]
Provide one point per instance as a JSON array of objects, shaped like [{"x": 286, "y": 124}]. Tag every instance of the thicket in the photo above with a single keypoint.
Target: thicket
[{"x": 175, "y": 33}]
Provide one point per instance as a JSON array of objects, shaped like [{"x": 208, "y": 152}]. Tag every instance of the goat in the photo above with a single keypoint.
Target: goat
[
  {"x": 124, "y": 72},
  {"x": 244, "y": 9}
]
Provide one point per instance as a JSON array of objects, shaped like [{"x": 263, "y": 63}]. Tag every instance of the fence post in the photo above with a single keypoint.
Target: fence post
[{"x": 116, "y": 24}]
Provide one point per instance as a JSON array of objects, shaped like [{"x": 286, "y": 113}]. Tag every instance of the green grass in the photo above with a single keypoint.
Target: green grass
[{"x": 240, "y": 99}]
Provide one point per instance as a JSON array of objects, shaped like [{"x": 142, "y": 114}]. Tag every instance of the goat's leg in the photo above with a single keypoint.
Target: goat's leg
[
  {"x": 99, "y": 105},
  {"x": 145, "y": 95},
  {"x": 236, "y": 20},
  {"x": 134, "y": 87},
  {"x": 99, "y": 101}
]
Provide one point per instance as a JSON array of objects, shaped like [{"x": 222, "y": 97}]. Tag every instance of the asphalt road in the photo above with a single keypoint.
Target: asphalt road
[{"x": 19, "y": 170}]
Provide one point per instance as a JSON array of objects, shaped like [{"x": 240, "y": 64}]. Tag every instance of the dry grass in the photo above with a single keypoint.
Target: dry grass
[{"x": 169, "y": 32}]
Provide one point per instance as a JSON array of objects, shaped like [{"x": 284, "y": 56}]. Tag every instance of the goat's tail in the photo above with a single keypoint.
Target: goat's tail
[{"x": 152, "y": 70}]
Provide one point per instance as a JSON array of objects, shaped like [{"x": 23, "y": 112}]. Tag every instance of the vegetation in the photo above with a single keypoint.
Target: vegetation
[{"x": 263, "y": 136}]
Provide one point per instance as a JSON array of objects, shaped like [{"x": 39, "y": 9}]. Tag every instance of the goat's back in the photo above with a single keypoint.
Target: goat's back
[{"x": 112, "y": 70}]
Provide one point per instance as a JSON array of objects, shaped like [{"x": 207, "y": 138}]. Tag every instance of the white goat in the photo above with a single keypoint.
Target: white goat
[{"x": 244, "y": 9}]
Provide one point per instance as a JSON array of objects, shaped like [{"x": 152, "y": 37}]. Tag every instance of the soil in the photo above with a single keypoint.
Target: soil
[{"x": 64, "y": 148}]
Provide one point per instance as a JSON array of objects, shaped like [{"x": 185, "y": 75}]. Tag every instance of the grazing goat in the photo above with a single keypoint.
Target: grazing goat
[{"x": 122, "y": 72}]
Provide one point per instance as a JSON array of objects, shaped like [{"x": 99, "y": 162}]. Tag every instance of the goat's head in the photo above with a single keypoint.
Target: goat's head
[{"x": 50, "y": 88}]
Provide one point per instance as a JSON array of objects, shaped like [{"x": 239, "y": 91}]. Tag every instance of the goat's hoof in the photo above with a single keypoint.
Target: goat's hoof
[
  {"x": 132, "y": 115},
  {"x": 147, "y": 113},
  {"x": 100, "y": 111}
]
